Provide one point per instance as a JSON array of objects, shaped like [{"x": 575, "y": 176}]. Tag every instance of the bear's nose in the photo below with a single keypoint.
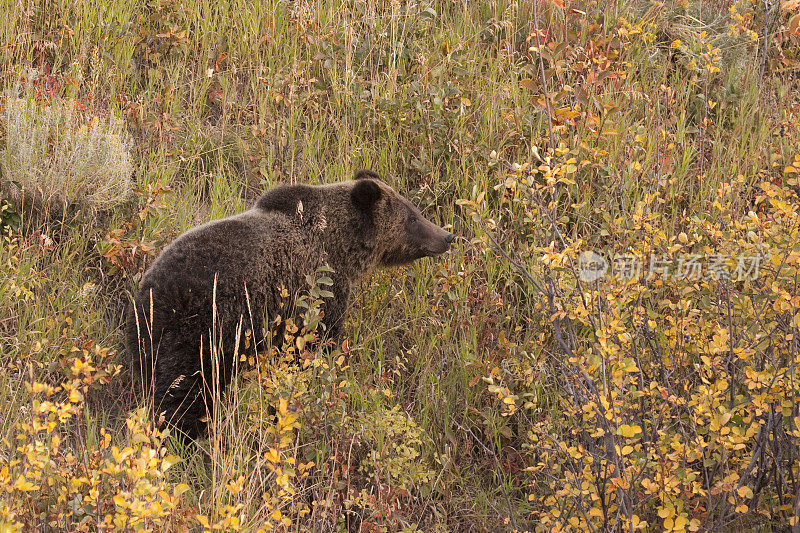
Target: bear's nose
[{"x": 450, "y": 238}]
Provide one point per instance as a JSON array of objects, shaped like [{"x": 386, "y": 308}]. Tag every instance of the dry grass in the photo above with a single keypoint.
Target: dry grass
[{"x": 490, "y": 389}]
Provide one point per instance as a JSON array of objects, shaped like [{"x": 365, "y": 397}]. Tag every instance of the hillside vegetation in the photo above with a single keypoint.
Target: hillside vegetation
[{"x": 500, "y": 387}]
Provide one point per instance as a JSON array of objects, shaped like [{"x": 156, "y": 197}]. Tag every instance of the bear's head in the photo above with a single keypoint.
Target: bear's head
[{"x": 404, "y": 235}]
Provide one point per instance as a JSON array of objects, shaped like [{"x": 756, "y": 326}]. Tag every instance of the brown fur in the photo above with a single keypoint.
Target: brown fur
[{"x": 226, "y": 276}]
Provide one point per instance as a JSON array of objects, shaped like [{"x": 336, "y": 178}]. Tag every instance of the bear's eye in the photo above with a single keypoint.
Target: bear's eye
[{"x": 412, "y": 219}]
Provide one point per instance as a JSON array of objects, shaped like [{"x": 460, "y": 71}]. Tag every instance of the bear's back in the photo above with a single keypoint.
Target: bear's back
[{"x": 250, "y": 251}]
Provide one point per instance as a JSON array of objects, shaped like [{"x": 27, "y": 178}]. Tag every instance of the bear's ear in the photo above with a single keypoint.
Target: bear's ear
[
  {"x": 366, "y": 174},
  {"x": 365, "y": 193}
]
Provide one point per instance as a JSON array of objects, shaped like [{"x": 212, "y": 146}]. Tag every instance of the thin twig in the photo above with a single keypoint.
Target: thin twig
[{"x": 545, "y": 92}]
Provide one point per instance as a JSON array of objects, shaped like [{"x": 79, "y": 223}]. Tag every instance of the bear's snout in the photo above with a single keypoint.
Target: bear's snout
[
  {"x": 439, "y": 241},
  {"x": 447, "y": 241}
]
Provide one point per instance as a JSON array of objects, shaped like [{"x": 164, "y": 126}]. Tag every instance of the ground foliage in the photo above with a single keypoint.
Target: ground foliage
[{"x": 490, "y": 389}]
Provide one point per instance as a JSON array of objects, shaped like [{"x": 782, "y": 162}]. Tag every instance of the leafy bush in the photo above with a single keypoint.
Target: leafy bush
[
  {"x": 678, "y": 400},
  {"x": 57, "y": 157},
  {"x": 52, "y": 482}
]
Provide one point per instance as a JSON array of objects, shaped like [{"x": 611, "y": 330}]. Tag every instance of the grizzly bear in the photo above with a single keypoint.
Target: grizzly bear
[{"x": 243, "y": 273}]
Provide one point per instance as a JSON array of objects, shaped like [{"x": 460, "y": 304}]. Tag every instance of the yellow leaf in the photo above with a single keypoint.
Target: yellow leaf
[
  {"x": 24, "y": 485},
  {"x": 283, "y": 407},
  {"x": 629, "y": 431},
  {"x": 235, "y": 487},
  {"x": 179, "y": 489},
  {"x": 272, "y": 455},
  {"x": 75, "y": 396},
  {"x": 621, "y": 483},
  {"x": 169, "y": 461}
]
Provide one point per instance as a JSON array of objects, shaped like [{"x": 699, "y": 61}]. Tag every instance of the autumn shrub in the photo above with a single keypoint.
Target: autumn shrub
[
  {"x": 679, "y": 408},
  {"x": 671, "y": 360},
  {"x": 57, "y": 156},
  {"x": 63, "y": 474}
]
